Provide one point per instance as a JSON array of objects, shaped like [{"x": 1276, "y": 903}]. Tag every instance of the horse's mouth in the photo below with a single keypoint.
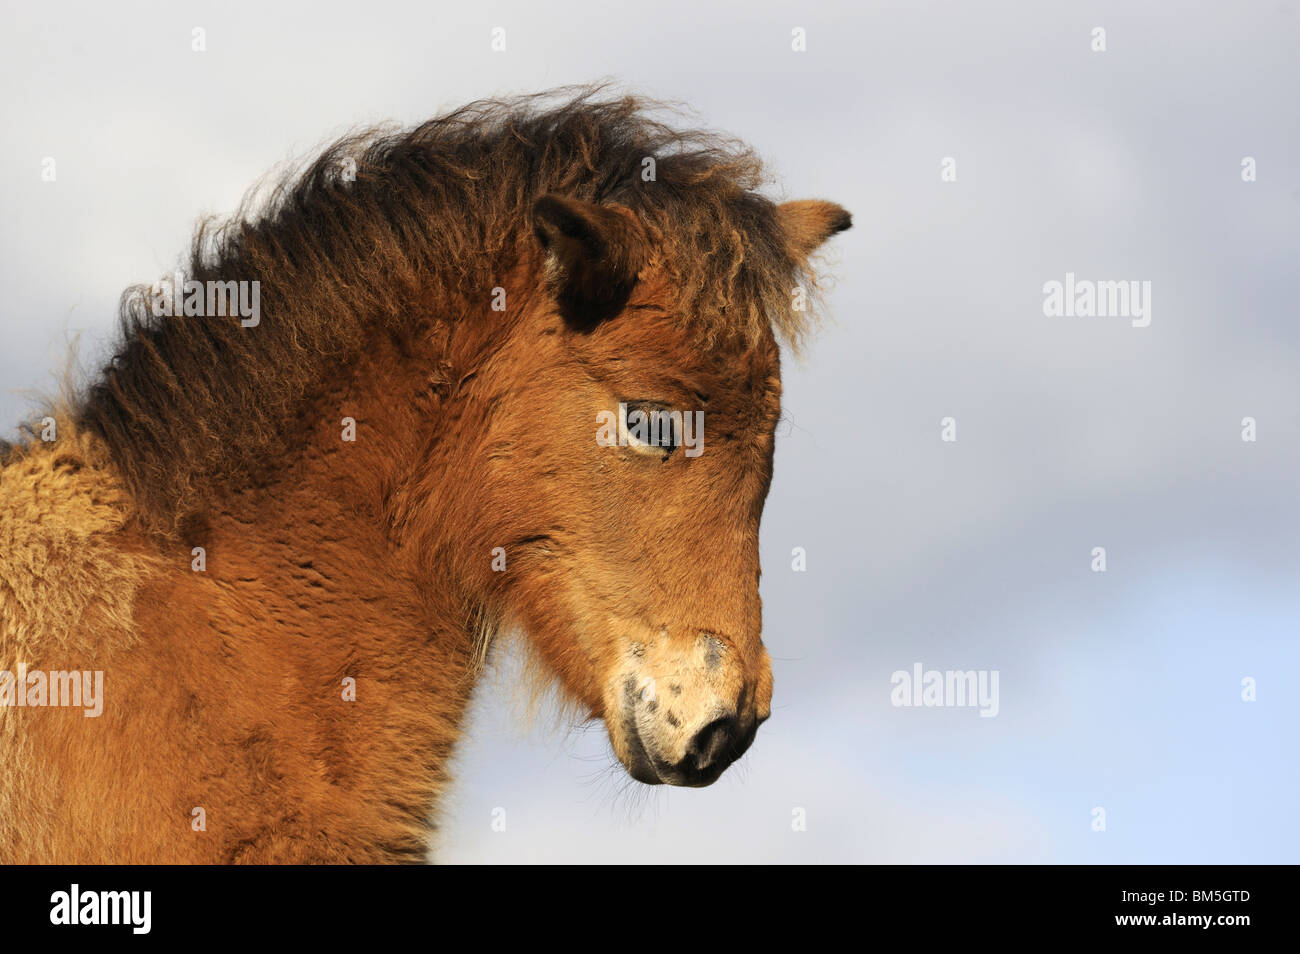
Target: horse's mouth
[
  {"x": 639, "y": 764},
  {"x": 646, "y": 768},
  {"x": 637, "y": 761}
]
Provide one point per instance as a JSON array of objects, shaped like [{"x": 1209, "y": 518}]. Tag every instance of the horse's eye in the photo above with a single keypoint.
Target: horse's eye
[{"x": 649, "y": 428}]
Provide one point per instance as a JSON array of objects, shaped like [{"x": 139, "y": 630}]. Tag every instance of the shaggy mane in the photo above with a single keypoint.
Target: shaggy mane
[{"x": 343, "y": 250}]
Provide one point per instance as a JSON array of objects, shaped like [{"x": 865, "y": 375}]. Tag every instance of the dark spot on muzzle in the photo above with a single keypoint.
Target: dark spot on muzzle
[{"x": 712, "y": 653}]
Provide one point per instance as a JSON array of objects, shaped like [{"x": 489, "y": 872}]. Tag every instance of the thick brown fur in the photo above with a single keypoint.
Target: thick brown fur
[{"x": 329, "y": 560}]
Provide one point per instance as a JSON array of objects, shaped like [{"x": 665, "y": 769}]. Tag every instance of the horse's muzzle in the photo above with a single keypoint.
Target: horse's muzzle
[{"x": 686, "y": 727}]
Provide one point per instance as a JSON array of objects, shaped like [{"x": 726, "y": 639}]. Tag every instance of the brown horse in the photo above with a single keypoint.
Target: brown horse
[{"x": 249, "y": 575}]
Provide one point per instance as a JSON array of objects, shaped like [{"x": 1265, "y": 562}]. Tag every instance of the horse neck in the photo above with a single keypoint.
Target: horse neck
[{"x": 352, "y": 660}]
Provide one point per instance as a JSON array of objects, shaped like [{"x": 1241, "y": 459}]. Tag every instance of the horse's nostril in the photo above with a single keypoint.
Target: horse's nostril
[{"x": 713, "y": 743}]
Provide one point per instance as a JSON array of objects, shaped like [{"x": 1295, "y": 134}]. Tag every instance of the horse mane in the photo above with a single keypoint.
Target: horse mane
[{"x": 345, "y": 248}]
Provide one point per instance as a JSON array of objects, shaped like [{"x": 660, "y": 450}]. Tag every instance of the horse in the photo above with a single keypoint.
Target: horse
[{"x": 251, "y": 570}]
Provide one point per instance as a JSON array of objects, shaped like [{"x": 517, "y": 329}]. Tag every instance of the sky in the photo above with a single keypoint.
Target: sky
[{"x": 984, "y": 152}]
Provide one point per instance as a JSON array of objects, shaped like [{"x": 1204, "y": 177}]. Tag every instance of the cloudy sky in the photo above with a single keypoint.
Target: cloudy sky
[{"x": 1118, "y": 690}]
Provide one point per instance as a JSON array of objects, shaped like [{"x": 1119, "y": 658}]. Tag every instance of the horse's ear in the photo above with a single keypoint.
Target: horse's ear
[
  {"x": 593, "y": 253},
  {"x": 810, "y": 222}
]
